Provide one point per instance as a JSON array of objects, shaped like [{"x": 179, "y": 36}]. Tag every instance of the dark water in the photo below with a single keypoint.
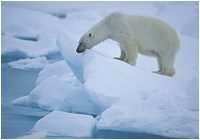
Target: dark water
[
  {"x": 17, "y": 121},
  {"x": 110, "y": 134}
]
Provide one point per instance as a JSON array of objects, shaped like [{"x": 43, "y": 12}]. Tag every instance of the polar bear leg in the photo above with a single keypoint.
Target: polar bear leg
[
  {"x": 131, "y": 49},
  {"x": 159, "y": 64},
  {"x": 123, "y": 54},
  {"x": 167, "y": 65}
]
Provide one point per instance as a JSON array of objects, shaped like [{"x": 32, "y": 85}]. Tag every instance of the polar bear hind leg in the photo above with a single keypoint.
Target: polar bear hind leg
[
  {"x": 166, "y": 65},
  {"x": 159, "y": 63}
]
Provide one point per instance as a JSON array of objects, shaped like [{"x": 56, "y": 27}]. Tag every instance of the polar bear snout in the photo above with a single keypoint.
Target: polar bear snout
[{"x": 81, "y": 48}]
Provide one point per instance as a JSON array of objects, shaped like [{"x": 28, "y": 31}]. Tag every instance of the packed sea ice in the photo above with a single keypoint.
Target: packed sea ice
[
  {"x": 153, "y": 104},
  {"x": 60, "y": 123},
  {"x": 92, "y": 91}
]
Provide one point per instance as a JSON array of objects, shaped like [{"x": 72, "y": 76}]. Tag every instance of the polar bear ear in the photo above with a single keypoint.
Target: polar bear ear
[{"x": 90, "y": 34}]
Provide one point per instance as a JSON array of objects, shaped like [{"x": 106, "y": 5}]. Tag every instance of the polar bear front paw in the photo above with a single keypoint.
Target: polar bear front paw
[{"x": 118, "y": 58}]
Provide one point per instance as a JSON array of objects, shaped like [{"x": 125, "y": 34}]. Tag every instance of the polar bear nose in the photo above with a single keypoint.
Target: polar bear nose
[{"x": 81, "y": 48}]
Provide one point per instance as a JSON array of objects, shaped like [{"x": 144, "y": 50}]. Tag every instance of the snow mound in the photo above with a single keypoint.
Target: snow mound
[
  {"x": 132, "y": 99},
  {"x": 44, "y": 45},
  {"x": 36, "y": 63},
  {"x": 26, "y": 24},
  {"x": 60, "y": 123},
  {"x": 177, "y": 13},
  {"x": 152, "y": 114},
  {"x": 72, "y": 96},
  {"x": 30, "y": 32},
  {"x": 59, "y": 68},
  {"x": 191, "y": 28}
]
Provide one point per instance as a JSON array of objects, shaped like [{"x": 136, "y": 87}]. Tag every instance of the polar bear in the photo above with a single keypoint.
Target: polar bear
[{"x": 136, "y": 34}]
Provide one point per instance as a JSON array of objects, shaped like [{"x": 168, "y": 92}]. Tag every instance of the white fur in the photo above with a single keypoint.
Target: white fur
[{"x": 137, "y": 34}]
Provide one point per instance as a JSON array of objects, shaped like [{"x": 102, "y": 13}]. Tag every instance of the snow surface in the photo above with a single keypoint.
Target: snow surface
[
  {"x": 191, "y": 28},
  {"x": 36, "y": 63},
  {"x": 31, "y": 32},
  {"x": 66, "y": 124},
  {"x": 125, "y": 98},
  {"x": 72, "y": 96}
]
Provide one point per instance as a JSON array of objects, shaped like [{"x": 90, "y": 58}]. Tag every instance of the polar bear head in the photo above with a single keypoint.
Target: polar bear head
[
  {"x": 97, "y": 34},
  {"x": 87, "y": 41}
]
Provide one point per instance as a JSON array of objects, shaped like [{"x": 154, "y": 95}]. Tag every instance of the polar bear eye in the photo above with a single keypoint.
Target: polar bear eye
[{"x": 90, "y": 35}]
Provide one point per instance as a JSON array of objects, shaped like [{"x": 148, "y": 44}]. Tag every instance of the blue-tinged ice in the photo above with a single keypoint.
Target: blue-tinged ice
[
  {"x": 74, "y": 60},
  {"x": 60, "y": 123}
]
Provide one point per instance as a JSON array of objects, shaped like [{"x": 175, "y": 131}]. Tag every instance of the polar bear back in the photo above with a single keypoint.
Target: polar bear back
[{"x": 151, "y": 34}]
